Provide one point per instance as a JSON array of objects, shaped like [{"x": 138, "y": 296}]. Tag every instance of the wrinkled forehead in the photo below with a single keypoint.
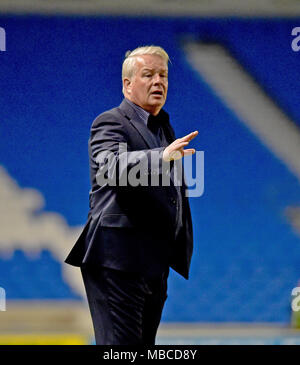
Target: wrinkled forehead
[{"x": 153, "y": 62}]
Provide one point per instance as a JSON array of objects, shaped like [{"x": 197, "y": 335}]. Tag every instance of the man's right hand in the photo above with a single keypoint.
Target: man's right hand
[{"x": 175, "y": 150}]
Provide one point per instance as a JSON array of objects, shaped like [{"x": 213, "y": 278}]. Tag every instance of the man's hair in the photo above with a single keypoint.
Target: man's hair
[{"x": 128, "y": 67}]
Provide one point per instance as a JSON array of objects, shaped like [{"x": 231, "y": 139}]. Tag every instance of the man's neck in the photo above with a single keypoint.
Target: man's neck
[{"x": 153, "y": 112}]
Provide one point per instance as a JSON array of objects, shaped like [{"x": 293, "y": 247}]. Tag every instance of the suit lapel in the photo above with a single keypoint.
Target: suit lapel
[
  {"x": 144, "y": 132},
  {"x": 138, "y": 124}
]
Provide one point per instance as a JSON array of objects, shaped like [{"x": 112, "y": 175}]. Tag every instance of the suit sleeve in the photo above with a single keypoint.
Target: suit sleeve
[{"x": 118, "y": 164}]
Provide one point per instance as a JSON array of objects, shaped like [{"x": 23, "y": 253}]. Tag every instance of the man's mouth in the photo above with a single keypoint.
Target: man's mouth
[{"x": 157, "y": 92}]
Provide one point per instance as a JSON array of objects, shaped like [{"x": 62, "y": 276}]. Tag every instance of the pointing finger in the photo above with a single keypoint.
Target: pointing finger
[{"x": 189, "y": 136}]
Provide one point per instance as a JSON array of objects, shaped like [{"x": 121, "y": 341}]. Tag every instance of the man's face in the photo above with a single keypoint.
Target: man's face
[{"x": 148, "y": 86}]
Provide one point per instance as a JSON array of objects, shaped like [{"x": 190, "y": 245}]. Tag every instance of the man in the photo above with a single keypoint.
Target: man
[{"x": 134, "y": 232}]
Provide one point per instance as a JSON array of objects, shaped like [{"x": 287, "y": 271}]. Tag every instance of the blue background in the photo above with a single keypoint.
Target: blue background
[{"x": 59, "y": 73}]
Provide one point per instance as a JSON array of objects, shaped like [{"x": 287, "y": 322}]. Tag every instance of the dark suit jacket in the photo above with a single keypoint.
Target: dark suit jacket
[{"x": 132, "y": 228}]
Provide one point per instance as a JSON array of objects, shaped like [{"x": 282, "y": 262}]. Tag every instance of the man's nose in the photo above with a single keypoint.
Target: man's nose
[{"x": 157, "y": 79}]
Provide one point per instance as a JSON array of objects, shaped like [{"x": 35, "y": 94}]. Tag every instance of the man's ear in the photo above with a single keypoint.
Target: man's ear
[{"x": 127, "y": 85}]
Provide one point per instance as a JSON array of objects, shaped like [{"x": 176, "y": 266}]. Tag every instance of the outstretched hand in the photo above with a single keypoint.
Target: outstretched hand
[{"x": 175, "y": 150}]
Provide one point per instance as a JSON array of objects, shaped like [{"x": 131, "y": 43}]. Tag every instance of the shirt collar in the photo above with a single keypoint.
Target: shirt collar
[{"x": 142, "y": 113}]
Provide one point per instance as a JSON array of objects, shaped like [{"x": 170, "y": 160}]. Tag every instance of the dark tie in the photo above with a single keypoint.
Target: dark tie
[{"x": 154, "y": 124}]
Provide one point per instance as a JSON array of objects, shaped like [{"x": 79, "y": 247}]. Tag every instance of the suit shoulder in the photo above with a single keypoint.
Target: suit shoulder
[{"x": 111, "y": 116}]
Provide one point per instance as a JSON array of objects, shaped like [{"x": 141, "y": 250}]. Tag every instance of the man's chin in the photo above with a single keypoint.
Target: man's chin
[
  {"x": 159, "y": 103},
  {"x": 156, "y": 107}
]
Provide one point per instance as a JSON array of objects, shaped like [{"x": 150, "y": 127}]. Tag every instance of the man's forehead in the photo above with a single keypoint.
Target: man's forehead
[{"x": 151, "y": 61}]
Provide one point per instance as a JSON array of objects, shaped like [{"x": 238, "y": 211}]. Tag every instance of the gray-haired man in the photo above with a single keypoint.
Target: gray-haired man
[{"x": 134, "y": 232}]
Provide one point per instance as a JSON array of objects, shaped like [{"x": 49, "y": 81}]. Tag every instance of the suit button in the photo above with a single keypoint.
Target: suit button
[{"x": 173, "y": 201}]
